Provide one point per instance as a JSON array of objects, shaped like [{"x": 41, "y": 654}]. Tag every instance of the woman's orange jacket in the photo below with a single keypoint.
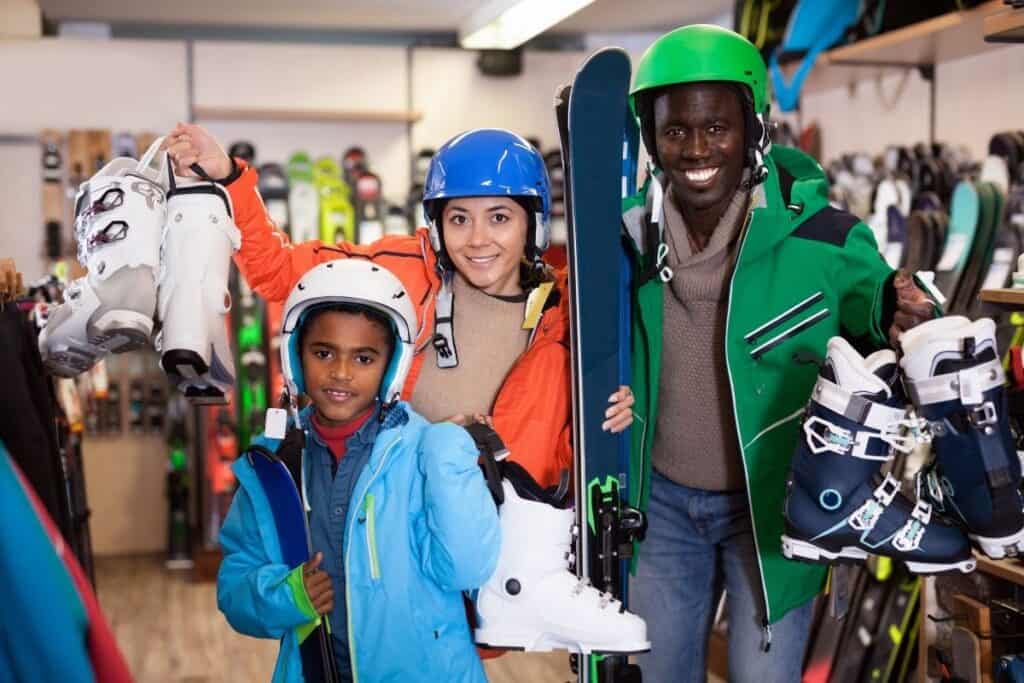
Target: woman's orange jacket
[{"x": 532, "y": 411}]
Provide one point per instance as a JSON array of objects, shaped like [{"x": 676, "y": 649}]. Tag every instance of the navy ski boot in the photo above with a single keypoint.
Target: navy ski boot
[
  {"x": 954, "y": 377},
  {"x": 839, "y": 505}
]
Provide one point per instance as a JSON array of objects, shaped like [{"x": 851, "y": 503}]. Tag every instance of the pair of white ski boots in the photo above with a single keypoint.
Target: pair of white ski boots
[
  {"x": 841, "y": 507},
  {"x": 158, "y": 248},
  {"x": 533, "y": 601}
]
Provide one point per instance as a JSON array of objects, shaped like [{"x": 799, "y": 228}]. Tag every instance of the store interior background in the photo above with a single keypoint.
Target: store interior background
[{"x": 170, "y": 62}]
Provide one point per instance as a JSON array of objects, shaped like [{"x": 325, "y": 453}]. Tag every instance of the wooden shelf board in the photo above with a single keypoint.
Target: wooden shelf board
[
  {"x": 256, "y": 114},
  {"x": 944, "y": 38},
  {"x": 1010, "y": 569},
  {"x": 1005, "y": 27},
  {"x": 1010, "y": 298}
]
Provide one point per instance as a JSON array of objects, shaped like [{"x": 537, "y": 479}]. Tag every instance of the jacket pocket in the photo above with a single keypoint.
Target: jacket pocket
[{"x": 797, "y": 319}]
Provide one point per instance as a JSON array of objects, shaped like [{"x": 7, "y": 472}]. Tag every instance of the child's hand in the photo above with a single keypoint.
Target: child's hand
[
  {"x": 318, "y": 585},
  {"x": 620, "y": 414},
  {"x": 191, "y": 144}
]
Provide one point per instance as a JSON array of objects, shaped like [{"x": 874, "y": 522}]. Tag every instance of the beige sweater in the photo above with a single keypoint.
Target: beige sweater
[
  {"x": 695, "y": 441},
  {"x": 489, "y": 339}
]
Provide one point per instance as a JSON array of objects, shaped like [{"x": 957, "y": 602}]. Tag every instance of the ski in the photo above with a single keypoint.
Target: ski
[
  {"x": 591, "y": 118},
  {"x": 179, "y": 483},
  {"x": 303, "y": 200},
  {"x": 54, "y": 202},
  {"x": 252, "y": 360},
  {"x": 292, "y": 526},
  {"x": 79, "y": 170},
  {"x": 273, "y": 187},
  {"x": 337, "y": 215},
  {"x": 897, "y": 616},
  {"x": 369, "y": 208},
  {"x": 861, "y": 630}
]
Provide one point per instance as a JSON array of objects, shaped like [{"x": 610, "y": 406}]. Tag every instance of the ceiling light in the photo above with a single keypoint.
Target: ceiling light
[{"x": 506, "y": 24}]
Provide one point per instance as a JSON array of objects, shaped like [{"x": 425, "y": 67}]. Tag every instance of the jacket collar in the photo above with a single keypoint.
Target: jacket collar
[{"x": 773, "y": 216}]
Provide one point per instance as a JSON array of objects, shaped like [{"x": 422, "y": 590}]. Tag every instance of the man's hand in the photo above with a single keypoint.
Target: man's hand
[
  {"x": 913, "y": 306},
  {"x": 318, "y": 585},
  {"x": 191, "y": 144}
]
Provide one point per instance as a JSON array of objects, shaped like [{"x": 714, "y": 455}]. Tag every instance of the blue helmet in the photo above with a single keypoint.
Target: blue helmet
[{"x": 489, "y": 162}]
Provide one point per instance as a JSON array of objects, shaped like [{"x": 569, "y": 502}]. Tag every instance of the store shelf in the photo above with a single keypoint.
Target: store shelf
[
  {"x": 1005, "y": 27},
  {"x": 1009, "y": 570},
  {"x": 944, "y": 38},
  {"x": 322, "y": 115},
  {"x": 1008, "y": 298}
]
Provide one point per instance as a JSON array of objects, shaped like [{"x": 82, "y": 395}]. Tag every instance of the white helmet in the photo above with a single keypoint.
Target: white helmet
[{"x": 350, "y": 281}]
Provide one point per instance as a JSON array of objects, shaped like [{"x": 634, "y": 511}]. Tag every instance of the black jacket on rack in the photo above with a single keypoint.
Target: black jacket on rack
[{"x": 27, "y": 420}]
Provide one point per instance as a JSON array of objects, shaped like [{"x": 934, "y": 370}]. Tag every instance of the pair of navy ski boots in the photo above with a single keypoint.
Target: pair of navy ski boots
[
  {"x": 841, "y": 506},
  {"x": 156, "y": 248}
]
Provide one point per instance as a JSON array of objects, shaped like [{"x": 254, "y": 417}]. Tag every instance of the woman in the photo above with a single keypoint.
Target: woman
[{"x": 493, "y": 316}]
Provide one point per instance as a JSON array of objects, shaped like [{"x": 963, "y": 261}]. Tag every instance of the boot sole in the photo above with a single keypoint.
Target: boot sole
[
  {"x": 190, "y": 373},
  {"x": 999, "y": 547},
  {"x": 794, "y": 549},
  {"x": 112, "y": 332},
  {"x": 544, "y": 642}
]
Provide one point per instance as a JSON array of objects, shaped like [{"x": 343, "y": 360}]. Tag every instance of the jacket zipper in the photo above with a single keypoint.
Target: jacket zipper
[
  {"x": 647, "y": 414},
  {"x": 766, "y": 641},
  {"x": 348, "y": 548}
]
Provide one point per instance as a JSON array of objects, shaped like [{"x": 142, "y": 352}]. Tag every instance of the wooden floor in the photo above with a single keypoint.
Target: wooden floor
[{"x": 170, "y": 631}]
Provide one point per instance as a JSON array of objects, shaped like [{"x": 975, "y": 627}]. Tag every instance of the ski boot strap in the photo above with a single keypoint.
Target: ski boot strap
[
  {"x": 909, "y": 536},
  {"x": 967, "y": 386},
  {"x": 492, "y": 450},
  {"x": 881, "y": 432}
]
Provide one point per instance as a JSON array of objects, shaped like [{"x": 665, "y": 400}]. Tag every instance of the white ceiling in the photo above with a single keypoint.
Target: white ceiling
[{"x": 403, "y": 16}]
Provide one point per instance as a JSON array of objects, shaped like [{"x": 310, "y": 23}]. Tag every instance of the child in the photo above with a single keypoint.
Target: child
[{"x": 400, "y": 518}]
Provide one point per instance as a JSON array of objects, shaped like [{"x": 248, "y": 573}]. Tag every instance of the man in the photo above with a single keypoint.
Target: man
[{"x": 743, "y": 273}]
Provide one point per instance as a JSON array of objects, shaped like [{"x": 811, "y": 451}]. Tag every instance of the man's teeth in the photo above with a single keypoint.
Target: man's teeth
[
  {"x": 482, "y": 259},
  {"x": 337, "y": 394},
  {"x": 701, "y": 175}
]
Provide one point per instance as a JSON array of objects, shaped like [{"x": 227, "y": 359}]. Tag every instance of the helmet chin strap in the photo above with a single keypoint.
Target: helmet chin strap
[{"x": 444, "y": 324}]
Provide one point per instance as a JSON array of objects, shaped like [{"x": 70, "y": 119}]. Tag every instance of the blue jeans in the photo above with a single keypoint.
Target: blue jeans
[{"x": 697, "y": 543}]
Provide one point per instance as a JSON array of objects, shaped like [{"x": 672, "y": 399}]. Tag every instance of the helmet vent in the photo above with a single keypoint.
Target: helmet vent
[
  {"x": 302, "y": 286},
  {"x": 375, "y": 269},
  {"x": 330, "y": 265},
  {"x": 399, "y": 295}
]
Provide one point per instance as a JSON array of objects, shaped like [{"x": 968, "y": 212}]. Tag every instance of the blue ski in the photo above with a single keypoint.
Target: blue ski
[
  {"x": 282, "y": 492},
  {"x": 599, "y": 141}
]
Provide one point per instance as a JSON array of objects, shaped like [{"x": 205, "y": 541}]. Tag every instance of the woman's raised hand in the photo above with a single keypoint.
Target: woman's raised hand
[{"x": 191, "y": 144}]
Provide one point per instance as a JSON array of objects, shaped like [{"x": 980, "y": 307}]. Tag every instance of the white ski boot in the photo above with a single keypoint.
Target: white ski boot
[
  {"x": 119, "y": 217},
  {"x": 533, "y": 601},
  {"x": 195, "y": 261}
]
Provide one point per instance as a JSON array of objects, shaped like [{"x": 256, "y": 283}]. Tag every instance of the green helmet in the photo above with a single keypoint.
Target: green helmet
[{"x": 702, "y": 53}]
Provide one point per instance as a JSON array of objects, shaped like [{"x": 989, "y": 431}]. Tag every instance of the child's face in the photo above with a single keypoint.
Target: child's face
[{"x": 344, "y": 356}]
